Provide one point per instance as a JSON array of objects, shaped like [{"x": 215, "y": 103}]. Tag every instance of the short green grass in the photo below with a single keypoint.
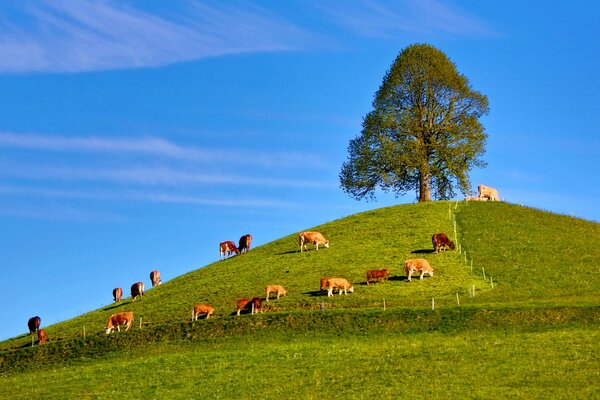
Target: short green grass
[{"x": 533, "y": 335}]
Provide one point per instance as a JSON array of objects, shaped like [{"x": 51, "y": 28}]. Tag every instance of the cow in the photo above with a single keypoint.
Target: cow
[
  {"x": 378, "y": 274},
  {"x": 416, "y": 265},
  {"x": 489, "y": 193},
  {"x": 315, "y": 238},
  {"x": 155, "y": 278},
  {"x": 440, "y": 241},
  {"x": 34, "y": 324},
  {"x": 116, "y": 320},
  {"x": 206, "y": 309},
  {"x": 341, "y": 283},
  {"x": 324, "y": 282},
  {"x": 137, "y": 290},
  {"x": 244, "y": 243},
  {"x": 117, "y": 294},
  {"x": 42, "y": 336},
  {"x": 226, "y": 248},
  {"x": 254, "y": 304},
  {"x": 280, "y": 290}
]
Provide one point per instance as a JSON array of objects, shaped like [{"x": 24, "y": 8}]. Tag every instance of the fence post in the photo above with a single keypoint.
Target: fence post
[
  {"x": 492, "y": 282},
  {"x": 383, "y": 304},
  {"x": 433, "y": 303},
  {"x": 473, "y": 291},
  {"x": 483, "y": 270},
  {"x": 84, "y": 331},
  {"x": 141, "y": 322},
  {"x": 457, "y": 300}
]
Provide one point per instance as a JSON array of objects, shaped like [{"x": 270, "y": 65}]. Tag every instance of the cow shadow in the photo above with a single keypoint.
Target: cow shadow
[
  {"x": 423, "y": 251},
  {"x": 316, "y": 293},
  {"x": 115, "y": 305},
  {"x": 288, "y": 252},
  {"x": 397, "y": 278}
]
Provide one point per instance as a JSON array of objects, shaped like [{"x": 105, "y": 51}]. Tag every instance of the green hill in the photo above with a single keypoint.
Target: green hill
[{"x": 539, "y": 295}]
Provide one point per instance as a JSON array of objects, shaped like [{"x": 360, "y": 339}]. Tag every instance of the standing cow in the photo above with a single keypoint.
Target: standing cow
[
  {"x": 244, "y": 243},
  {"x": 155, "y": 278},
  {"x": 417, "y": 265},
  {"x": 315, "y": 238},
  {"x": 377, "y": 274},
  {"x": 254, "y": 304},
  {"x": 117, "y": 294},
  {"x": 205, "y": 309},
  {"x": 227, "y": 248},
  {"x": 34, "y": 324},
  {"x": 116, "y": 320},
  {"x": 137, "y": 290},
  {"x": 42, "y": 336},
  {"x": 341, "y": 284},
  {"x": 440, "y": 241}
]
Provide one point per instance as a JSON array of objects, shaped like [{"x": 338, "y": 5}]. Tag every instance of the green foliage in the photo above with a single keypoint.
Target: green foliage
[{"x": 423, "y": 132}]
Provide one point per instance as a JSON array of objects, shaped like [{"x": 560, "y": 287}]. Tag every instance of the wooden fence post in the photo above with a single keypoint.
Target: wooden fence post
[
  {"x": 457, "y": 300},
  {"x": 383, "y": 304},
  {"x": 433, "y": 303}
]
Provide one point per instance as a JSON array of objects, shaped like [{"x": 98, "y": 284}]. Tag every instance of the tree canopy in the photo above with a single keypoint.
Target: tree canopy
[{"x": 423, "y": 133}]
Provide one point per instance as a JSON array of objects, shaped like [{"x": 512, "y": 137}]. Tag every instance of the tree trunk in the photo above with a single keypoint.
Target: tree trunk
[{"x": 424, "y": 187}]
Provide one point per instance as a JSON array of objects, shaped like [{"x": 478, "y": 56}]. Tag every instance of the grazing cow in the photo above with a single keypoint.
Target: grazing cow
[
  {"x": 137, "y": 290},
  {"x": 254, "y": 304},
  {"x": 116, "y": 320},
  {"x": 378, "y": 274},
  {"x": 34, "y": 324},
  {"x": 280, "y": 290},
  {"x": 440, "y": 241},
  {"x": 417, "y": 265},
  {"x": 312, "y": 237},
  {"x": 117, "y": 294},
  {"x": 489, "y": 193},
  {"x": 226, "y": 248},
  {"x": 206, "y": 309},
  {"x": 42, "y": 336},
  {"x": 324, "y": 282},
  {"x": 244, "y": 243},
  {"x": 155, "y": 278},
  {"x": 340, "y": 283}
]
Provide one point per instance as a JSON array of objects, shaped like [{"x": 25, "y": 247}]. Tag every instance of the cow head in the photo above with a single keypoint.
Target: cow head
[
  {"x": 351, "y": 289},
  {"x": 451, "y": 244},
  {"x": 326, "y": 244},
  {"x": 109, "y": 329}
]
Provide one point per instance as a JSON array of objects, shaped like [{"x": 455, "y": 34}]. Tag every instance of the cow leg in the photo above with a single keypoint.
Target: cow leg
[
  {"x": 330, "y": 292},
  {"x": 422, "y": 273}
]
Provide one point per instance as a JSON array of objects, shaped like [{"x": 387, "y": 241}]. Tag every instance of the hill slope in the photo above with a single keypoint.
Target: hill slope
[{"x": 548, "y": 317}]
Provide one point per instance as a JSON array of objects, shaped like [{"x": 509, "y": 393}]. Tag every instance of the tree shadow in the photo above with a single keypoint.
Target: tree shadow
[{"x": 423, "y": 251}]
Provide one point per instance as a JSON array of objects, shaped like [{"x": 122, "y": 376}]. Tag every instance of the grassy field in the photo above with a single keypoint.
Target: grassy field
[{"x": 533, "y": 335}]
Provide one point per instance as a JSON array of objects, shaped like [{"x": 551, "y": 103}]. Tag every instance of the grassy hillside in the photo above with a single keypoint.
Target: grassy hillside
[{"x": 534, "y": 334}]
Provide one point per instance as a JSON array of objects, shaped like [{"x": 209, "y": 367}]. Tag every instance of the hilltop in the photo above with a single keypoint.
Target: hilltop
[{"x": 533, "y": 272}]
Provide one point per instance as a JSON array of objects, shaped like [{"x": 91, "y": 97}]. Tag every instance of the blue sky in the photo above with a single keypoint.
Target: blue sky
[{"x": 137, "y": 136}]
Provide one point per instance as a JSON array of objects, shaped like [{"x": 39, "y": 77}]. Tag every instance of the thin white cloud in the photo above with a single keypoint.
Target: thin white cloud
[
  {"x": 389, "y": 19},
  {"x": 148, "y": 176},
  {"x": 139, "y": 196},
  {"x": 73, "y": 36},
  {"x": 158, "y": 147}
]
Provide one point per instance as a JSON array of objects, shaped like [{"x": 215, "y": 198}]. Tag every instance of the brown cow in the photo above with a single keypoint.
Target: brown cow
[
  {"x": 415, "y": 265},
  {"x": 487, "y": 192},
  {"x": 116, "y": 320},
  {"x": 440, "y": 241},
  {"x": 155, "y": 278},
  {"x": 280, "y": 290},
  {"x": 341, "y": 284},
  {"x": 34, "y": 324},
  {"x": 117, "y": 294},
  {"x": 254, "y": 304},
  {"x": 206, "y": 309},
  {"x": 324, "y": 282},
  {"x": 378, "y": 274},
  {"x": 42, "y": 336},
  {"x": 137, "y": 290},
  {"x": 226, "y": 248},
  {"x": 315, "y": 238},
  {"x": 244, "y": 243}
]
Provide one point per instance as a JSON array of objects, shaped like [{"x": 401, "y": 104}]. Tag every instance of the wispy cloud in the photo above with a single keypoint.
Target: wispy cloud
[
  {"x": 389, "y": 19},
  {"x": 72, "y": 36},
  {"x": 152, "y": 146}
]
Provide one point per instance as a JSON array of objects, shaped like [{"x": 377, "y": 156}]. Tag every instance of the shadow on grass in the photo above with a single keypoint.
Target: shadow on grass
[
  {"x": 288, "y": 252},
  {"x": 316, "y": 293},
  {"x": 423, "y": 251},
  {"x": 397, "y": 278},
  {"x": 115, "y": 305}
]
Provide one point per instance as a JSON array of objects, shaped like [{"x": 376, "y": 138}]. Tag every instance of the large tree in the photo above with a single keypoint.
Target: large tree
[{"x": 423, "y": 133}]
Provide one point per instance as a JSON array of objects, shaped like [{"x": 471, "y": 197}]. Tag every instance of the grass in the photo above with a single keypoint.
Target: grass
[{"x": 534, "y": 335}]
